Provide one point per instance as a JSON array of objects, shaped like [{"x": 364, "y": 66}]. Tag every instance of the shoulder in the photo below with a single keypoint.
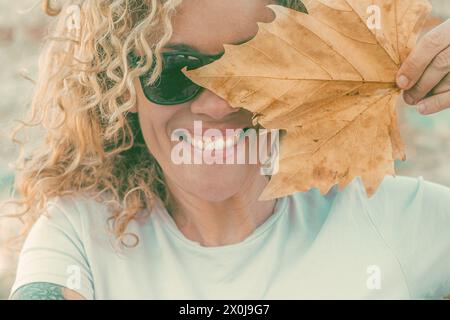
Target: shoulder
[
  {"x": 409, "y": 187},
  {"x": 410, "y": 199},
  {"x": 410, "y": 207},
  {"x": 76, "y": 210},
  {"x": 399, "y": 200},
  {"x": 75, "y": 206},
  {"x": 73, "y": 217}
]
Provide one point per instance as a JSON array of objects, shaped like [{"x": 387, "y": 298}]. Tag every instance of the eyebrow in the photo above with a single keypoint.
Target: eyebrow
[{"x": 189, "y": 48}]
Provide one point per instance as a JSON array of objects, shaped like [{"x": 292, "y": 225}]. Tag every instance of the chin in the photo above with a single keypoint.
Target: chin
[
  {"x": 216, "y": 194},
  {"x": 213, "y": 196},
  {"x": 220, "y": 184}
]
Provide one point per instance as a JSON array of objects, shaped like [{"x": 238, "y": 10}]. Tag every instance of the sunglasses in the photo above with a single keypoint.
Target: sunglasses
[{"x": 172, "y": 87}]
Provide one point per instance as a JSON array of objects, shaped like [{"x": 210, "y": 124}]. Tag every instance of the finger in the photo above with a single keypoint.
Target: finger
[
  {"x": 436, "y": 71},
  {"x": 428, "y": 47},
  {"x": 434, "y": 104},
  {"x": 442, "y": 87}
]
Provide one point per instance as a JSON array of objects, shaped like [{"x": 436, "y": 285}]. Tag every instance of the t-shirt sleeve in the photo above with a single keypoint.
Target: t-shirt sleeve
[
  {"x": 53, "y": 252},
  {"x": 413, "y": 217}
]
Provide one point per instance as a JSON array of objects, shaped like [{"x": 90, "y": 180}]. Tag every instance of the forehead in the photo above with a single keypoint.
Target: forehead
[{"x": 207, "y": 24}]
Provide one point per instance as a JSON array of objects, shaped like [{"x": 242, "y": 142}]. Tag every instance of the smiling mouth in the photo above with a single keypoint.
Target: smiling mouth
[{"x": 207, "y": 143}]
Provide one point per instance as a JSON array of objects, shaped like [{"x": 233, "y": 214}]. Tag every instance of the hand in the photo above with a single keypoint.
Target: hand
[{"x": 425, "y": 74}]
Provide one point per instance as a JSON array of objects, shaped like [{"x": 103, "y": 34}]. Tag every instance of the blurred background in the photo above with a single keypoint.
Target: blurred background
[{"x": 22, "y": 28}]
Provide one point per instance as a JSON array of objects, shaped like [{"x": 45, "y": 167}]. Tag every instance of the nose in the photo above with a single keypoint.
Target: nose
[{"x": 210, "y": 104}]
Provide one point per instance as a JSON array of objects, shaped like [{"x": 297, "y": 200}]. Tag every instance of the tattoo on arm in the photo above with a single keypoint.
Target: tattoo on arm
[{"x": 39, "y": 291}]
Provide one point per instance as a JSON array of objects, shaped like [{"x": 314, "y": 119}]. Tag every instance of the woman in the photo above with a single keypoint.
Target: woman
[{"x": 116, "y": 218}]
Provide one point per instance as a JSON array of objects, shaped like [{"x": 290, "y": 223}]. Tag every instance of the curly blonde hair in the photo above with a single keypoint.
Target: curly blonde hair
[{"x": 82, "y": 98}]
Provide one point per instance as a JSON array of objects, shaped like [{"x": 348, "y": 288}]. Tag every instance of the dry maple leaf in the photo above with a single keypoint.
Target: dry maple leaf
[{"x": 329, "y": 81}]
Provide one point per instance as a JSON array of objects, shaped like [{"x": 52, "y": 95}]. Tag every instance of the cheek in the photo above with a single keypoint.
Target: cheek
[
  {"x": 154, "y": 121},
  {"x": 150, "y": 119}
]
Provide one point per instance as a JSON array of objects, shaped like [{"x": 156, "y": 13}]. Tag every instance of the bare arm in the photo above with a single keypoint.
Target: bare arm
[{"x": 45, "y": 291}]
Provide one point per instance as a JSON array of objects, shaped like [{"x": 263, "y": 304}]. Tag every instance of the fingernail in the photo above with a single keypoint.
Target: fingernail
[
  {"x": 409, "y": 99},
  {"x": 421, "y": 108},
  {"x": 403, "y": 82}
]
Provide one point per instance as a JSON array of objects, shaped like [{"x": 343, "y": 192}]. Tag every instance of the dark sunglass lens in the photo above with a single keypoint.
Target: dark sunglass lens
[{"x": 173, "y": 87}]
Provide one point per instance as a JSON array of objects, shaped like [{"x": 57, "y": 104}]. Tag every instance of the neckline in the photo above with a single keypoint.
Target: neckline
[{"x": 168, "y": 222}]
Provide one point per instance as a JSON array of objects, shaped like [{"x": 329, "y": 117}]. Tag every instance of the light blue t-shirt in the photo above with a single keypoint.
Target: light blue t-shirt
[{"x": 341, "y": 245}]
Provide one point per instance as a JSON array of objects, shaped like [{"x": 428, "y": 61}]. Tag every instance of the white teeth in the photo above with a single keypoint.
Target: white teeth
[{"x": 207, "y": 143}]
